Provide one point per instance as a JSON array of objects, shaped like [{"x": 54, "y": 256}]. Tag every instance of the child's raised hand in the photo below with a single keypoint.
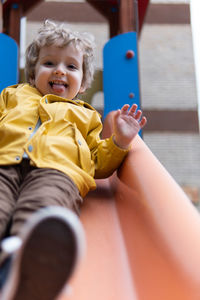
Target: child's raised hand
[{"x": 126, "y": 124}]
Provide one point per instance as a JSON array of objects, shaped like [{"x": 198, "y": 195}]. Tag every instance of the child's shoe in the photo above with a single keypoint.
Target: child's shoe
[
  {"x": 52, "y": 243},
  {"x": 8, "y": 246}
]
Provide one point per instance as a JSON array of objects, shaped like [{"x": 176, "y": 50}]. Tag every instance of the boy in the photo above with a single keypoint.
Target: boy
[{"x": 50, "y": 153}]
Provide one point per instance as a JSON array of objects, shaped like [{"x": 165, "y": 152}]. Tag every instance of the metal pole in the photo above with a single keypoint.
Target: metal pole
[{"x": 128, "y": 16}]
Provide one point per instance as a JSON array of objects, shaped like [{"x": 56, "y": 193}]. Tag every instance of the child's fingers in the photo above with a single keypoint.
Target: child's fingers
[
  {"x": 133, "y": 109},
  {"x": 143, "y": 122},
  {"x": 116, "y": 115},
  {"x": 124, "y": 109},
  {"x": 138, "y": 115}
]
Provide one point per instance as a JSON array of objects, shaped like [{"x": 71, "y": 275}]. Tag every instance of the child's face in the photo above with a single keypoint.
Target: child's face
[{"x": 59, "y": 71}]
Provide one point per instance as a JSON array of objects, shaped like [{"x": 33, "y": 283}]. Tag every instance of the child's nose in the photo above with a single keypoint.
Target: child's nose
[{"x": 60, "y": 70}]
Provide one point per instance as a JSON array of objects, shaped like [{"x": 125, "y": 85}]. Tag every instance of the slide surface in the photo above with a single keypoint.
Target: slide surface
[{"x": 143, "y": 235}]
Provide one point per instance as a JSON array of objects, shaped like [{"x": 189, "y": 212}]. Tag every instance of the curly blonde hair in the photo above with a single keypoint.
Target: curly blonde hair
[{"x": 56, "y": 34}]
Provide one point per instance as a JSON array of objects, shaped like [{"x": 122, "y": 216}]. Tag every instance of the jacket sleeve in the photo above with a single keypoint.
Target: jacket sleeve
[
  {"x": 106, "y": 155},
  {"x": 8, "y": 99},
  {"x": 3, "y": 103}
]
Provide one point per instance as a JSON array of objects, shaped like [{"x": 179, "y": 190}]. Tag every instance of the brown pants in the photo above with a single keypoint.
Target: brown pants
[{"x": 24, "y": 189}]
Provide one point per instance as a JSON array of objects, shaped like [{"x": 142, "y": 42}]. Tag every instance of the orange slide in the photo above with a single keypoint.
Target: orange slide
[{"x": 143, "y": 236}]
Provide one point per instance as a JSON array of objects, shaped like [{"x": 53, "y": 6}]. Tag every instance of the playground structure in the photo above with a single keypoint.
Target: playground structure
[{"x": 142, "y": 231}]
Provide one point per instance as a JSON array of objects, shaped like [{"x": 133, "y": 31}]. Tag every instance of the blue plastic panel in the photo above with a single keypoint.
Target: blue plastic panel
[
  {"x": 120, "y": 73},
  {"x": 8, "y": 61}
]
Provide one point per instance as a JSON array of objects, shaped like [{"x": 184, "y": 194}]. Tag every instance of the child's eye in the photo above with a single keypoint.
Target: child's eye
[
  {"x": 72, "y": 67},
  {"x": 48, "y": 63}
]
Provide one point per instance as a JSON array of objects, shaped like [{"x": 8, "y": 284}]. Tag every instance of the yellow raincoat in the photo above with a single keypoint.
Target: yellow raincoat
[{"x": 67, "y": 140}]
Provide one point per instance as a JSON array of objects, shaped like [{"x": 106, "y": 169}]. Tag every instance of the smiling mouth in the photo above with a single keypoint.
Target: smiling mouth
[{"x": 58, "y": 83}]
